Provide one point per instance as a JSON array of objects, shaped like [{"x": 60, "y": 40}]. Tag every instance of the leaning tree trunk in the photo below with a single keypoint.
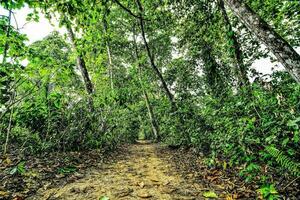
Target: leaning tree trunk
[
  {"x": 86, "y": 78},
  {"x": 81, "y": 63},
  {"x": 274, "y": 42},
  {"x": 237, "y": 53},
  {"x": 150, "y": 56},
  {"x": 153, "y": 121}
]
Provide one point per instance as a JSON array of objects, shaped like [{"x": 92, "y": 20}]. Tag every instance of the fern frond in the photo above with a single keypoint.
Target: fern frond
[{"x": 284, "y": 160}]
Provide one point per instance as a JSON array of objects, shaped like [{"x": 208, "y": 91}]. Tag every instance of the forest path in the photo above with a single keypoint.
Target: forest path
[{"x": 142, "y": 172}]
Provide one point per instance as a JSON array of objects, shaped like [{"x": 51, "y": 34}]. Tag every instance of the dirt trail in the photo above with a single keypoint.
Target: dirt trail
[{"x": 141, "y": 173}]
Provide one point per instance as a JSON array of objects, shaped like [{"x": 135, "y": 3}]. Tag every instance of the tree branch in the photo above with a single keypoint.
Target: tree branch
[{"x": 129, "y": 11}]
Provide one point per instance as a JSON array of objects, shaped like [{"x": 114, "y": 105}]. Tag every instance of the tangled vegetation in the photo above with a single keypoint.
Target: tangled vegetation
[{"x": 175, "y": 72}]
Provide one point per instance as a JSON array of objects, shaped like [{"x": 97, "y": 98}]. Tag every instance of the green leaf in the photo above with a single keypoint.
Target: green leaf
[
  {"x": 67, "y": 170},
  {"x": 293, "y": 123},
  {"x": 103, "y": 198},
  {"x": 21, "y": 167},
  {"x": 210, "y": 194},
  {"x": 273, "y": 190},
  {"x": 285, "y": 141},
  {"x": 296, "y": 137},
  {"x": 230, "y": 33},
  {"x": 13, "y": 171}
]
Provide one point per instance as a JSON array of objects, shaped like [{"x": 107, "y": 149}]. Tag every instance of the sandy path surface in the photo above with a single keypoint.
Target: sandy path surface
[{"x": 141, "y": 173}]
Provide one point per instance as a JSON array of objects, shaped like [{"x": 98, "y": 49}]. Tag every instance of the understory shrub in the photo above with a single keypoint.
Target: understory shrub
[{"x": 244, "y": 124}]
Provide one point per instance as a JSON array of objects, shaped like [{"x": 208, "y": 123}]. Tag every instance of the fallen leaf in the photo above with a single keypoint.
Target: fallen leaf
[
  {"x": 210, "y": 194},
  {"x": 144, "y": 194},
  {"x": 166, "y": 183},
  {"x": 19, "y": 198},
  {"x": 154, "y": 179},
  {"x": 7, "y": 161},
  {"x": 141, "y": 184},
  {"x": 3, "y": 194},
  {"x": 228, "y": 197},
  {"x": 123, "y": 192}
]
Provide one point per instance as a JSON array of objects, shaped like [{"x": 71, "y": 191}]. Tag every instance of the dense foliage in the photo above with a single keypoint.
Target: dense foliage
[{"x": 178, "y": 72}]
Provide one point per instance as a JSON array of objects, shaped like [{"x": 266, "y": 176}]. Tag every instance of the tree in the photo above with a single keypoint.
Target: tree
[
  {"x": 152, "y": 118},
  {"x": 236, "y": 48},
  {"x": 81, "y": 63},
  {"x": 150, "y": 55},
  {"x": 108, "y": 48},
  {"x": 285, "y": 54}
]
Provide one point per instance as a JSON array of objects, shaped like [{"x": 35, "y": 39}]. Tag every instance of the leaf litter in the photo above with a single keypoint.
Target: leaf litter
[{"x": 139, "y": 171}]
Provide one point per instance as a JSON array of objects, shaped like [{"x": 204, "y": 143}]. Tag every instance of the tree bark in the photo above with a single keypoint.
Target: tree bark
[
  {"x": 81, "y": 63},
  {"x": 285, "y": 54},
  {"x": 238, "y": 54},
  {"x": 150, "y": 56},
  {"x": 110, "y": 65},
  {"x": 153, "y": 121}
]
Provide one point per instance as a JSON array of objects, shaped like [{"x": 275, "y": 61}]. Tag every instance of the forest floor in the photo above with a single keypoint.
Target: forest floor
[{"x": 139, "y": 171}]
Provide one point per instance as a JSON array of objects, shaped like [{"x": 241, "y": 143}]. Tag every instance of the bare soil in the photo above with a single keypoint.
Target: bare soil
[{"x": 138, "y": 174}]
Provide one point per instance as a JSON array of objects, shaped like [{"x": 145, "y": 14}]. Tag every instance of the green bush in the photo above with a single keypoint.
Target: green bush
[{"x": 246, "y": 122}]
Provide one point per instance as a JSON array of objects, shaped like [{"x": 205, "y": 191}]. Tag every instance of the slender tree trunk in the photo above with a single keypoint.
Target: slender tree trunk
[
  {"x": 81, "y": 63},
  {"x": 47, "y": 92},
  {"x": 151, "y": 58},
  {"x": 6, "y": 45},
  {"x": 153, "y": 121},
  {"x": 238, "y": 54},
  {"x": 274, "y": 42},
  {"x": 110, "y": 65},
  {"x": 9, "y": 126}
]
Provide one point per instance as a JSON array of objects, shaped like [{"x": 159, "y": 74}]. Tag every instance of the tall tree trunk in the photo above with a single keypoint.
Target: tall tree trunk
[
  {"x": 238, "y": 54},
  {"x": 153, "y": 121},
  {"x": 110, "y": 64},
  {"x": 150, "y": 55},
  {"x": 107, "y": 42},
  {"x": 274, "y": 42},
  {"x": 81, "y": 63}
]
